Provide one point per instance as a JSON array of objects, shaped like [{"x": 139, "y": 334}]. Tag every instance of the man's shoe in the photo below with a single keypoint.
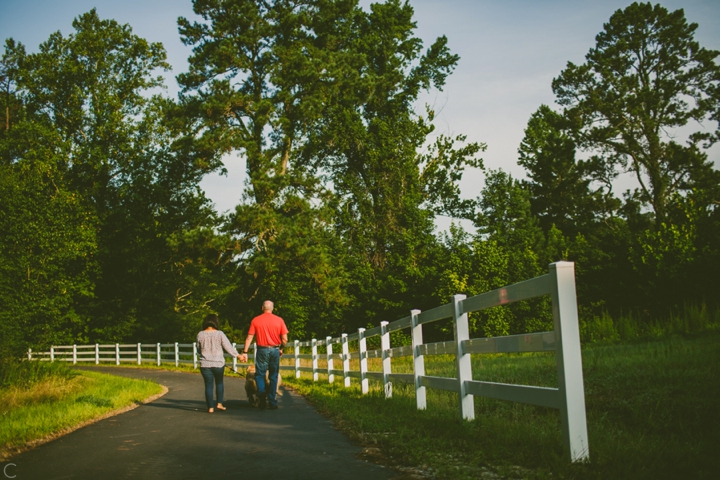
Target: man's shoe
[
  {"x": 263, "y": 400},
  {"x": 273, "y": 407}
]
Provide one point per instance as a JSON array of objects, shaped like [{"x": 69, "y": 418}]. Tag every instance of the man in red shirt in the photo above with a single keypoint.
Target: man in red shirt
[{"x": 271, "y": 334}]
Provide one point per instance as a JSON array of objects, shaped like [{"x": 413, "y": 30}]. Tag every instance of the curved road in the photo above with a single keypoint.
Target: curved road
[{"x": 175, "y": 437}]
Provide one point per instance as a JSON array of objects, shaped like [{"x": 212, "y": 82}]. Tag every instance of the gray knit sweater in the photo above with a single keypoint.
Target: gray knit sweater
[{"x": 210, "y": 348}]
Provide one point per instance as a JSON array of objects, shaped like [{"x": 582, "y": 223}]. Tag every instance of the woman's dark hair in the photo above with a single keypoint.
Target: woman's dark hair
[{"x": 211, "y": 320}]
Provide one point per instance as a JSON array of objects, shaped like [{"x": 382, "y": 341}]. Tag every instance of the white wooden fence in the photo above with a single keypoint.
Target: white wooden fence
[
  {"x": 564, "y": 340},
  {"x": 140, "y": 353}
]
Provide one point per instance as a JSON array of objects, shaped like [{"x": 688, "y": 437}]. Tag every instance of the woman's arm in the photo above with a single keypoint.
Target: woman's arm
[{"x": 228, "y": 346}]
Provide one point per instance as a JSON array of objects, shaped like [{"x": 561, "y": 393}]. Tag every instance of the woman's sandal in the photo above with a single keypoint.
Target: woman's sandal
[
  {"x": 210, "y": 410},
  {"x": 220, "y": 407}
]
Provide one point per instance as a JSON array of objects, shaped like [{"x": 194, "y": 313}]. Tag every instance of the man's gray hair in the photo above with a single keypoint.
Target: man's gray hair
[{"x": 268, "y": 306}]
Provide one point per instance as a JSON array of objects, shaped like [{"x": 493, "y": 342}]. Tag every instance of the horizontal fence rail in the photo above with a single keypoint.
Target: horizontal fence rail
[
  {"x": 564, "y": 340},
  {"x": 139, "y": 353}
]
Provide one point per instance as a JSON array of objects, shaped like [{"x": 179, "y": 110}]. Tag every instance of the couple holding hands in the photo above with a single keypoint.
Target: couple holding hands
[{"x": 271, "y": 336}]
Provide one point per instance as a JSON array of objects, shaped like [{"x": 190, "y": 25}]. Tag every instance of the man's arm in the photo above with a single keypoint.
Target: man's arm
[
  {"x": 283, "y": 342},
  {"x": 248, "y": 341}
]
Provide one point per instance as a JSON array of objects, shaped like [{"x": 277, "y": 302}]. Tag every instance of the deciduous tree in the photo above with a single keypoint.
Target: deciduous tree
[{"x": 86, "y": 99}]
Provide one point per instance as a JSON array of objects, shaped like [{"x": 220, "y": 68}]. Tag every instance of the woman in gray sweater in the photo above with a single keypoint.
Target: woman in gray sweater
[{"x": 211, "y": 342}]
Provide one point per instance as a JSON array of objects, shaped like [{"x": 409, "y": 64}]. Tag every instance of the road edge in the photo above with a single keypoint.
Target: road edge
[{"x": 8, "y": 453}]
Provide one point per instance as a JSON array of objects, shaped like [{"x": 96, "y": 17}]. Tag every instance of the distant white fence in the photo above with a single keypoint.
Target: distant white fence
[
  {"x": 140, "y": 353},
  {"x": 564, "y": 340}
]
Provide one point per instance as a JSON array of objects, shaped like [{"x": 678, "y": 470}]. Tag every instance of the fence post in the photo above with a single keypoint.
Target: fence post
[
  {"x": 346, "y": 359},
  {"x": 386, "y": 358},
  {"x": 313, "y": 344},
  {"x": 328, "y": 343},
  {"x": 29, "y": 353},
  {"x": 297, "y": 358},
  {"x": 52, "y": 353},
  {"x": 569, "y": 361},
  {"x": 234, "y": 358},
  {"x": 74, "y": 354},
  {"x": 97, "y": 354},
  {"x": 159, "y": 361},
  {"x": 195, "y": 355},
  {"x": 177, "y": 354},
  {"x": 418, "y": 360},
  {"x": 463, "y": 364},
  {"x": 139, "y": 354},
  {"x": 117, "y": 354},
  {"x": 362, "y": 350}
]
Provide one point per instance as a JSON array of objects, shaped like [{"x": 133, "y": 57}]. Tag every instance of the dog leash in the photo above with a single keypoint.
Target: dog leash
[{"x": 232, "y": 369}]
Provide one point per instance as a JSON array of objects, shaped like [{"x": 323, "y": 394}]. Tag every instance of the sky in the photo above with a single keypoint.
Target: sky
[{"x": 510, "y": 50}]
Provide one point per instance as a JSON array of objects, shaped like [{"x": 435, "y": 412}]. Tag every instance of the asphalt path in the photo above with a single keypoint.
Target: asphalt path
[{"x": 175, "y": 437}]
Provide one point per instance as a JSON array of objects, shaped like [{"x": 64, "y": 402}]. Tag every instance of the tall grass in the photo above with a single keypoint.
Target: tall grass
[
  {"x": 652, "y": 412},
  {"x": 691, "y": 319},
  {"x": 23, "y": 374}
]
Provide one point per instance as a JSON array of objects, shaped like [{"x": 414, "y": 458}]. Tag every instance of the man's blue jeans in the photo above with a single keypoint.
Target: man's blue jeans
[
  {"x": 267, "y": 359},
  {"x": 211, "y": 374}
]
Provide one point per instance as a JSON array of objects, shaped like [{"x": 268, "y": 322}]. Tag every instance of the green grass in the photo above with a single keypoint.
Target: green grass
[
  {"x": 691, "y": 319},
  {"x": 52, "y": 403},
  {"x": 22, "y": 374},
  {"x": 653, "y": 411}
]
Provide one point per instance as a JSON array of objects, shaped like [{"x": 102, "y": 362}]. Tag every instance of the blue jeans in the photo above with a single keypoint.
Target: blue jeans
[
  {"x": 211, "y": 374},
  {"x": 267, "y": 359}
]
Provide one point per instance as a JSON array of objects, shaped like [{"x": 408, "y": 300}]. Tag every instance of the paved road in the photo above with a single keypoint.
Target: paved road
[{"x": 175, "y": 437}]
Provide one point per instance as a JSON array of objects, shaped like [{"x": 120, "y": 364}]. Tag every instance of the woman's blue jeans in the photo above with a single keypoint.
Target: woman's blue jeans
[
  {"x": 211, "y": 374},
  {"x": 267, "y": 359}
]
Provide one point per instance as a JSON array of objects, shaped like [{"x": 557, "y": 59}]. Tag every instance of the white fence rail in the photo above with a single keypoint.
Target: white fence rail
[
  {"x": 117, "y": 353},
  {"x": 564, "y": 340}
]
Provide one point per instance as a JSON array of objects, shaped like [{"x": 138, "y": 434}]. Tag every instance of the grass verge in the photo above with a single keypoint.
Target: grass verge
[
  {"x": 652, "y": 410},
  {"x": 57, "y": 404}
]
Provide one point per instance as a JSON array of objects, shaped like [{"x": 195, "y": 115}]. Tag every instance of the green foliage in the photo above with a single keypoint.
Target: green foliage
[
  {"x": 645, "y": 77},
  {"x": 108, "y": 237},
  {"x": 46, "y": 256},
  {"x": 292, "y": 261},
  {"x": 258, "y": 79},
  {"x": 560, "y": 185},
  {"x": 336, "y": 224},
  {"x": 108, "y": 234}
]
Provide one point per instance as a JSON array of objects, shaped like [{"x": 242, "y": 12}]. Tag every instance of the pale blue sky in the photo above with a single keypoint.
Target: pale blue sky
[{"x": 509, "y": 53}]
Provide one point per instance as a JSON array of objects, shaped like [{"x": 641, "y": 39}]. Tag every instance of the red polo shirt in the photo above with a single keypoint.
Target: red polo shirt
[{"x": 267, "y": 329}]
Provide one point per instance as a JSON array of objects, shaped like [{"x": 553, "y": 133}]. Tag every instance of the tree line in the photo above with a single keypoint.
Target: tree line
[{"x": 107, "y": 236}]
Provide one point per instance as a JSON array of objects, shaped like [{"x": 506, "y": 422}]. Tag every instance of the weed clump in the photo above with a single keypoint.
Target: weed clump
[{"x": 24, "y": 374}]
